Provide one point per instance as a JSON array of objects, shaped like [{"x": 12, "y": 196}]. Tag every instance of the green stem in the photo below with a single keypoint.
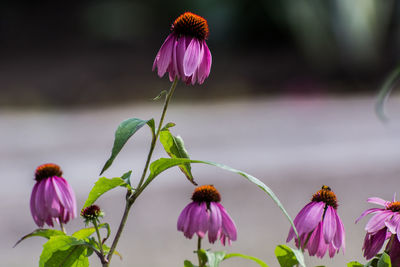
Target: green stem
[
  {"x": 62, "y": 227},
  {"x": 154, "y": 140},
  {"x": 128, "y": 205},
  {"x": 130, "y": 198},
  {"x": 103, "y": 259},
  {"x": 389, "y": 244},
  {"x": 201, "y": 263}
]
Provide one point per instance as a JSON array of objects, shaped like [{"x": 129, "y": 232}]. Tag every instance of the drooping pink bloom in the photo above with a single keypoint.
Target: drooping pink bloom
[
  {"x": 319, "y": 226},
  {"x": 185, "y": 54},
  {"x": 383, "y": 225},
  {"x": 206, "y": 214},
  {"x": 52, "y": 197}
]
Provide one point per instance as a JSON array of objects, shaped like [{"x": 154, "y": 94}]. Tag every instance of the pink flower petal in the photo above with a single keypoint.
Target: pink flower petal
[
  {"x": 192, "y": 57},
  {"x": 378, "y": 201},
  {"x": 228, "y": 226},
  {"x": 164, "y": 56},
  {"x": 339, "y": 239},
  {"x": 205, "y": 64},
  {"x": 215, "y": 223},
  {"x": 368, "y": 212},
  {"x": 330, "y": 228},
  {"x": 377, "y": 221}
]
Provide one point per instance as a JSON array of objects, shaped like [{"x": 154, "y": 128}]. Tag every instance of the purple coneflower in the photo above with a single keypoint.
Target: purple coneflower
[
  {"x": 185, "y": 54},
  {"x": 319, "y": 226},
  {"x": 204, "y": 214},
  {"x": 52, "y": 197},
  {"x": 383, "y": 225}
]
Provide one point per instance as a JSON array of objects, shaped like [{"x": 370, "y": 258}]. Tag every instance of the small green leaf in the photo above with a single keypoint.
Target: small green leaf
[
  {"x": 152, "y": 126},
  {"x": 168, "y": 125},
  {"x": 86, "y": 232},
  {"x": 127, "y": 177},
  {"x": 175, "y": 148},
  {"x": 66, "y": 251},
  {"x": 103, "y": 185},
  {"x": 125, "y": 130},
  {"x": 392, "y": 80},
  {"x": 215, "y": 258},
  {"x": 285, "y": 256},
  {"x": 107, "y": 249},
  {"x": 163, "y": 92},
  {"x": 46, "y": 233},
  {"x": 354, "y": 264},
  {"x": 187, "y": 263},
  {"x": 384, "y": 260},
  {"x": 163, "y": 164},
  {"x": 247, "y": 257}
]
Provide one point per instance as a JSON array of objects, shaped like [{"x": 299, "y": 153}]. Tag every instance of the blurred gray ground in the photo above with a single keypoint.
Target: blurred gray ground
[{"x": 294, "y": 145}]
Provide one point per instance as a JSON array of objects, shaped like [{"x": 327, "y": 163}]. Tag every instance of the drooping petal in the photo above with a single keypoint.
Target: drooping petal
[
  {"x": 310, "y": 217},
  {"x": 368, "y": 211},
  {"x": 228, "y": 226},
  {"x": 202, "y": 220},
  {"x": 34, "y": 211},
  {"x": 192, "y": 57},
  {"x": 40, "y": 203},
  {"x": 205, "y": 64},
  {"x": 183, "y": 217},
  {"x": 194, "y": 225},
  {"x": 164, "y": 56},
  {"x": 340, "y": 236},
  {"x": 215, "y": 223},
  {"x": 377, "y": 221},
  {"x": 330, "y": 228},
  {"x": 316, "y": 240},
  {"x": 373, "y": 243},
  {"x": 394, "y": 253}
]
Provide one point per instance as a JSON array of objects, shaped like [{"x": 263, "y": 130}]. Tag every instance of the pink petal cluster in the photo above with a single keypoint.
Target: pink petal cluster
[
  {"x": 320, "y": 229},
  {"x": 200, "y": 217},
  {"x": 52, "y": 199},
  {"x": 196, "y": 218},
  {"x": 383, "y": 225},
  {"x": 185, "y": 54}
]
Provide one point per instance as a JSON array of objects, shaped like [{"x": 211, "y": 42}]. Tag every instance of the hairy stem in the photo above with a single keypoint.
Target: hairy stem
[
  {"x": 62, "y": 227},
  {"x": 103, "y": 259},
  {"x": 201, "y": 263},
  {"x": 154, "y": 141}
]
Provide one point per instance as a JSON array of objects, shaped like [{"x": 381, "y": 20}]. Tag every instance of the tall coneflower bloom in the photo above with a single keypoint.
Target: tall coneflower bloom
[
  {"x": 52, "y": 198},
  {"x": 185, "y": 54},
  {"x": 319, "y": 226},
  {"x": 383, "y": 225},
  {"x": 206, "y": 214}
]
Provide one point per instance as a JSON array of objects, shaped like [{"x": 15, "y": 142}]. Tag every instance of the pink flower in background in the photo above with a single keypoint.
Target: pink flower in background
[
  {"x": 52, "y": 197},
  {"x": 185, "y": 54},
  {"x": 319, "y": 226},
  {"x": 383, "y": 225},
  {"x": 206, "y": 214}
]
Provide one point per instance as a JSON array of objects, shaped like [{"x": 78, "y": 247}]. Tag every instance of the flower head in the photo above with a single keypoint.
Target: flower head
[
  {"x": 52, "y": 197},
  {"x": 206, "y": 214},
  {"x": 319, "y": 226},
  {"x": 91, "y": 213},
  {"x": 185, "y": 54},
  {"x": 383, "y": 225}
]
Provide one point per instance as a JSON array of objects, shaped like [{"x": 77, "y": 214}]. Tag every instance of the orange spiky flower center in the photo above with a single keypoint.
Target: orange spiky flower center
[
  {"x": 206, "y": 193},
  {"x": 394, "y": 206},
  {"x": 192, "y": 25},
  {"x": 325, "y": 195},
  {"x": 47, "y": 170}
]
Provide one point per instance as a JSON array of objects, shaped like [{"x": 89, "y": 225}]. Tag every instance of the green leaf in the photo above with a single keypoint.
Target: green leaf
[
  {"x": 247, "y": 257},
  {"x": 107, "y": 249},
  {"x": 103, "y": 185},
  {"x": 163, "y": 164},
  {"x": 215, "y": 258},
  {"x": 175, "y": 148},
  {"x": 354, "y": 264},
  {"x": 86, "y": 232},
  {"x": 384, "y": 260},
  {"x": 163, "y": 92},
  {"x": 285, "y": 256},
  {"x": 66, "y": 251},
  {"x": 384, "y": 93},
  {"x": 125, "y": 130},
  {"x": 46, "y": 233}
]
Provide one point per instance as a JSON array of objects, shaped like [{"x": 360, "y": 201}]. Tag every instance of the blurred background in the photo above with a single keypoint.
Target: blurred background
[{"x": 290, "y": 99}]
